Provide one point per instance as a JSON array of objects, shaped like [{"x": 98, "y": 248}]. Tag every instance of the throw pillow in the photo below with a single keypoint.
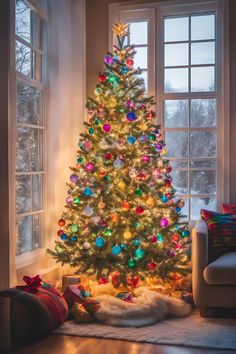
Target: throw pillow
[
  {"x": 221, "y": 233},
  {"x": 229, "y": 208}
]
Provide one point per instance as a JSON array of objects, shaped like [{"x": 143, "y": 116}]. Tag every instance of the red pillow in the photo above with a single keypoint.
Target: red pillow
[
  {"x": 221, "y": 233},
  {"x": 229, "y": 208}
]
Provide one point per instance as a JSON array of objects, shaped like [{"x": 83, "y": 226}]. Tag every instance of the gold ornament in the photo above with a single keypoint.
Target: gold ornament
[
  {"x": 114, "y": 217},
  {"x": 127, "y": 234},
  {"x": 120, "y": 29},
  {"x": 150, "y": 202},
  {"x": 121, "y": 185},
  {"x": 116, "y": 181},
  {"x": 101, "y": 204},
  {"x": 143, "y": 126},
  {"x": 163, "y": 152},
  {"x": 112, "y": 102}
]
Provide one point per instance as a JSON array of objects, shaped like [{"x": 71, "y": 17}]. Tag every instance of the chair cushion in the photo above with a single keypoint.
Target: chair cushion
[
  {"x": 222, "y": 271},
  {"x": 221, "y": 233},
  {"x": 229, "y": 208}
]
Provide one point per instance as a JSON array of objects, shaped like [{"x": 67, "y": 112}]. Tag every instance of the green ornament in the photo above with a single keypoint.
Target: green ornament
[
  {"x": 98, "y": 90},
  {"x": 108, "y": 232},
  {"x": 107, "y": 178},
  {"x": 58, "y": 249},
  {"x": 137, "y": 224},
  {"x": 97, "y": 121},
  {"x": 91, "y": 130},
  {"x": 121, "y": 110},
  {"x": 139, "y": 192},
  {"x": 80, "y": 159},
  {"x": 74, "y": 228},
  {"x": 113, "y": 79},
  {"x": 151, "y": 137},
  {"x": 160, "y": 238},
  {"x": 131, "y": 263},
  {"x": 139, "y": 253},
  {"x": 76, "y": 201}
]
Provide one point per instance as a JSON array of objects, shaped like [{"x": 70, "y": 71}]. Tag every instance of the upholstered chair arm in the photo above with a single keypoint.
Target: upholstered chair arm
[{"x": 200, "y": 246}]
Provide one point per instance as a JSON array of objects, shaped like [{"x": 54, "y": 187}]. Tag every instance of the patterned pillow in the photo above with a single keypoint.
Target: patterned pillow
[
  {"x": 229, "y": 208},
  {"x": 221, "y": 233}
]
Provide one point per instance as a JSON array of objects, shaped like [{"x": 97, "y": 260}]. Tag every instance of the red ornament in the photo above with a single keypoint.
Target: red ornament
[
  {"x": 108, "y": 156},
  {"x": 168, "y": 169},
  {"x": 153, "y": 238},
  {"x": 152, "y": 265},
  {"x": 139, "y": 210},
  {"x": 167, "y": 182},
  {"x": 132, "y": 281},
  {"x": 101, "y": 77},
  {"x": 60, "y": 232},
  {"x": 175, "y": 237},
  {"x": 61, "y": 222},
  {"x": 102, "y": 173},
  {"x": 130, "y": 62},
  {"x": 150, "y": 115},
  {"x": 103, "y": 223},
  {"x": 115, "y": 279},
  {"x": 102, "y": 280},
  {"x": 125, "y": 206}
]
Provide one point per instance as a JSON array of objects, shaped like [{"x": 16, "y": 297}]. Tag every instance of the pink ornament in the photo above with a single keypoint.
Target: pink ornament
[
  {"x": 107, "y": 128},
  {"x": 143, "y": 107},
  {"x": 130, "y": 104},
  {"x": 69, "y": 199},
  {"x": 89, "y": 167},
  {"x": 90, "y": 112},
  {"x": 164, "y": 222},
  {"x": 145, "y": 158},
  {"x": 87, "y": 144},
  {"x": 178, "y": 246}
]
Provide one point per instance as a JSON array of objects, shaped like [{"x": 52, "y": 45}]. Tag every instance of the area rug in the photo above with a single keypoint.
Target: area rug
[{"x": 192, "y": 331}]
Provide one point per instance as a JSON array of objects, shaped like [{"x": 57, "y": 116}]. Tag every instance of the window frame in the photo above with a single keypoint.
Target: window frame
[
  {"x": 157, "y": 11},
  {"x": 30, "y": 257}
]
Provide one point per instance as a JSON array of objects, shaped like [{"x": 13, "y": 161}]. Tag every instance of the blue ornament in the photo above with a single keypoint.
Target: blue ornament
[
  {"x": 143, "y": 138},
  {"x": 74, "y": 238},
  {"x": 131, "y": 116},
  {"x": 137, "y": 242},
  {"x": 116, "y": 250},
  {"x": 99, "y": 242},
  {"x": 164, "y": 199},
  {"x": 131, "y": 139},
  {"x": 122, "y": 246},
  {"x": 118, "y": 163},
  {"x": 63, "y": 237},
  {"x": 124, "y": 70},
  {"x": 156, "y": 131},
  {"x": 178, "y": 209},
  {"x": 185, "y": 233},
  {"x": 87, "y": 192},
  {"x": 139, "y": 253}
]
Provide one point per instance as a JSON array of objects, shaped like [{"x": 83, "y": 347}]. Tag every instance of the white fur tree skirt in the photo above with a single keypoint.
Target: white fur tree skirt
[{"x": 193, "y": 331}]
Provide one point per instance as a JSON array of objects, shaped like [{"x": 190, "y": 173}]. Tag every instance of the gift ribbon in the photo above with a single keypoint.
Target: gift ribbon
[{"x": 32, "y": 284}]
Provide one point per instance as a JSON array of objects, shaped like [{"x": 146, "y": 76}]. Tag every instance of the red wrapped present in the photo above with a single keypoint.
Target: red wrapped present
[{"x": 75, "y": 293}]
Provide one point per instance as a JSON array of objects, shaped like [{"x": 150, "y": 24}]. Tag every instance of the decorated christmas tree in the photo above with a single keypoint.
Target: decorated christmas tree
[{"x": 121, "y": 214}]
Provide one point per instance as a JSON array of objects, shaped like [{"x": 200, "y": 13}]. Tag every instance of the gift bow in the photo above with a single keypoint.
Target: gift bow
[{"x": 32, "y": 284}]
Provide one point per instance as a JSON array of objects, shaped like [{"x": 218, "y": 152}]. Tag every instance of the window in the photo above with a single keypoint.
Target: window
[
  {"x": 186, "y": 44},
  {"x": 30, "y": 126}
]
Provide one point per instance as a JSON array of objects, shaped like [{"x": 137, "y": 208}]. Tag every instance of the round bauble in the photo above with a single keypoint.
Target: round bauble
[{"x": 99, "y": 242}]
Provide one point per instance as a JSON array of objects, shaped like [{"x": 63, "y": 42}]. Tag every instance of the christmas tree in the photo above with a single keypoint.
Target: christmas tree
[{"x": 121, "y": 214}]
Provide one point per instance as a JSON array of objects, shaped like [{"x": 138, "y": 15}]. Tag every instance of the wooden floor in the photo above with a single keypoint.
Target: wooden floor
[{"x": 60, "y": 344}]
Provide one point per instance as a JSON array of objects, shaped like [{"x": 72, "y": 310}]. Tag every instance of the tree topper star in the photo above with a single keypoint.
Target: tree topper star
[{"x": 120, "y": 29}]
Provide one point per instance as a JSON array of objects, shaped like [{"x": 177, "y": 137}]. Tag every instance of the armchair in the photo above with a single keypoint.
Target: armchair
[{"x": 214, "y": 284}]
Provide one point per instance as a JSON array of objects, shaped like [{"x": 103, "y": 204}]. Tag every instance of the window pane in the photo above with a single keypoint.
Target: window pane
[
  {"x": 36, "y": 192},
  {"x": 176, "y": 113},
  {"x": 203, "y": 53},
  {"x": 203, "y": 113},
  {"x": 143, "y": 75},
  {"x": 202, "y": 27},
  {"x": 185, "y": 209},
  {"x": 24, "y": 235},
  {"x": 196, "y": 204},
  {"x": 203, "y": 79},
  {"x": 23, "y": 59},
  {"x": 22, "y": 20},
  {"x": 176, "y": 29},
  {"x": 178, "y": 164},
  {"x": 180, "y": 181},
  {"x": 176, "y": 54},
  {"x": 138, "y": 32},
  {"x": 23, "y": 194},
  {"x": 176, "y": 80},
  {"x": 140, "y": 59},
  {"x": 203, "y": 182},
  {"x": 205, "y": 163},
  {"x": 28, "y": 148},
  {"x": 203, "y": 144},
  {"x": 28, "y": 104},
  {"x": 176, "y": 144},
  {"x": 36, "y": 231}
]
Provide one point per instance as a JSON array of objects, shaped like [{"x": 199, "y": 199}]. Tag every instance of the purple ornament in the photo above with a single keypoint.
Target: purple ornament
[
  {"x": 164, "y": 222},
  {"x": 89, "y": 167},
  {"x": 158, "y": 146},
  {"x": 143, "y": 138},
  {"x": 131, "y": 116},
  {"x": 108, "y": 59},
  {"x": 171, "y": 253},
  {"x": 74, "y": 178},
  {"x": 107, "y": 128}
]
